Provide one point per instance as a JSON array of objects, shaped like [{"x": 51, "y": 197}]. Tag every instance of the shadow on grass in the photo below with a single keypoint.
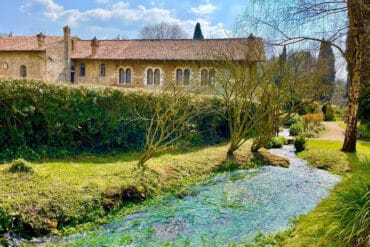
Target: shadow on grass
[{"x": 116, "y": 156}]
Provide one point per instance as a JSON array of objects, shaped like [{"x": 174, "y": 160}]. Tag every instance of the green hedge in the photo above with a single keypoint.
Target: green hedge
[{"x": 39, "y": 119}]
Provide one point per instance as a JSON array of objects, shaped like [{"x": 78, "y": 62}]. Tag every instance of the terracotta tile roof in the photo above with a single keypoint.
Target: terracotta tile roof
[
  {"x": 191, "y": 50},
  {"x": 26, "y": 43}
]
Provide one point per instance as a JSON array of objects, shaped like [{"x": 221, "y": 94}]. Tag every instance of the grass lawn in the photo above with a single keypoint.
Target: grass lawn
[
  {"x": 76, "y": 190},
  {"x": 312, "y": 229}
]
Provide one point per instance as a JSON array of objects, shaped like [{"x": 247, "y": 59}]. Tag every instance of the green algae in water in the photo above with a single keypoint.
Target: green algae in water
[{"x": 229, "y": 208}]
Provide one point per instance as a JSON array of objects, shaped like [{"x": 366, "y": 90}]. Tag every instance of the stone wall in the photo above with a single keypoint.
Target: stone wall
[
  {"x": 57, "y": 68},
  {"x": 138, "y": 68},
  {"x": 11, "y": 61}
]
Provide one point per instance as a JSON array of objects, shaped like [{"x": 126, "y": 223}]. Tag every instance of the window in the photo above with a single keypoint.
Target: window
[
  {"x": 208, "y": 77},
  {"x": 179, "y": 76},
  {"x": 183, "y": 76},
  {"x": 124, "y": 76},
  {"x": 153, "y": 76},
  {"x": 149, "y": 77},
  {"x": 128, "y": 76},
  {"x": 204, "y": 77},
  {"x": 23, "y": 71},
  {"x": 186, "y": 76},
  {"x": 157, "y": 77},
  {"x": 212, "y": 77},
  {"x": 102, "y": 70},
  {"x": 82, "y": 70}
]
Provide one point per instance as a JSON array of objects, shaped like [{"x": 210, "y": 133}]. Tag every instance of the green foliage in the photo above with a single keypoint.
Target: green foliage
[
  {"x": 351, "y": 214},
  {"x": 296, "y": 128},
  {"x": 363, "y": 131},
  {"x": 20, "y": 166},
  {"x": 364, "y": 100},
  {"x": 53, "y": 120},
  {"x": 313, "y": 107},
  {"x": 276, "y": 142},
  {"x": 328, "y": 112},
  {"x": 5, "y": 220},
  {"x": 300, "y": 143},
  {"x": 292, "y": 119}
]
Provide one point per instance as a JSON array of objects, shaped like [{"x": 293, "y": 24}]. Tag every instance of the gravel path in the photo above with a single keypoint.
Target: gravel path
[{"x": 332, "y": 133}]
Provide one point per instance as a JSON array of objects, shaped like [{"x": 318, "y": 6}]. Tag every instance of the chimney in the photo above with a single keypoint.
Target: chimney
[
  {"x": 67, "y": 33},
  {"x": 40, "y": 40},
  {"x": 94, "y": 46},
  {"x": 10, "y": 34}
]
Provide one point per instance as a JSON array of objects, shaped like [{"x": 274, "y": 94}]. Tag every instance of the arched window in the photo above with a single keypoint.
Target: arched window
[
  {"x": 212, "y": 77},
  {"x": 183, "y": 76},
  {"x": 102, "y": 70},
  {"x": 204, "y": 77},
  {"x": 186, "y": 76},
  {"x": 23, "y": 71},
  {"x": 128, "y": 76},
  {"x": 82, "y": 70},
  {"x": 157, "y": 77},
  {"x": 179, "y": 76},
  {"x": 124, "y": 76},
  {"x": 149, "y": 77},
  {"x": 208, "y": 77},
  {"x": 121, "y": 76}
]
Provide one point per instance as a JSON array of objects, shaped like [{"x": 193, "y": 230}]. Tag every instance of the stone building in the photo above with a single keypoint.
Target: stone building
[{"x": 128, "y": 63}]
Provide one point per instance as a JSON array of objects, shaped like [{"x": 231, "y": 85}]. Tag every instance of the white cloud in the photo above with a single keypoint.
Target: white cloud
[
  {"x": 204, "y": 9},
  {"x": 121, "y": 15},
  {"x": 53, "y": 10}
]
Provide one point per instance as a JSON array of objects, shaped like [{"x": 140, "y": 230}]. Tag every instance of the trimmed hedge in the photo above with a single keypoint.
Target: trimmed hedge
[{"x": 39, "y": 119}]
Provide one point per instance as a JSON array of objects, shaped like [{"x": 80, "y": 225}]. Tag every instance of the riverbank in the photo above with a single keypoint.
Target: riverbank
[
  {"x": 68, "y": 192},
  {"x": 231, "y": 207},
  {"x": 313, "y": 229}
]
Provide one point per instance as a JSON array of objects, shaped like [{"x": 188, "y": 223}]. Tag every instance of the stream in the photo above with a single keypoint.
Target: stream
[{"x": 228, "y": 208}]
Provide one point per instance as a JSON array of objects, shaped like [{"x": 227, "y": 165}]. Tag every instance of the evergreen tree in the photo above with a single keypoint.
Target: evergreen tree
[
  {"x": 198, "y": 32},
  {"x": 326, "y": 68}
]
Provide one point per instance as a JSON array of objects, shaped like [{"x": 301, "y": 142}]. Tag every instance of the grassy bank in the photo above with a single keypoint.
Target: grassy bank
[
  {"x": 317, "y": 227},
  {"x": 67, "y": 192}
]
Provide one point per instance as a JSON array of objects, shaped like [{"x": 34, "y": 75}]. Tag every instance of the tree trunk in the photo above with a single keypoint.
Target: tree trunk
[{"x": 354, "y": 59}]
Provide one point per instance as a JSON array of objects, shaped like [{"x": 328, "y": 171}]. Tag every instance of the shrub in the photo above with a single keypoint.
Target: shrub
[
  {"x": 363, "y": 131},
  {"x": 328, "y": 112},
  {"x": 313, "y": 107},
  {"x": 40, "y": 119},
  {"x": 312, "y": 119},
  {"x": 292, "y": 120},
  {"x": 296, "y": 129},
  {"x": 351, "y": 215},
  {"x": 20, "y": 166},
  {"x": 300, "y": 143},
  {"x": 5, "y": 220},
  {"x": 276, "y": 142}
]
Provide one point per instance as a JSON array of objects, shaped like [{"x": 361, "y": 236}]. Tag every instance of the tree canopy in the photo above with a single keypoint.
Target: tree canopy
[{"x": 163, "y": 30}]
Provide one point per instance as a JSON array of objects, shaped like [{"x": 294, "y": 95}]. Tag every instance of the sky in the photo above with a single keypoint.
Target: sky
[{"x": 107, "y": 19}]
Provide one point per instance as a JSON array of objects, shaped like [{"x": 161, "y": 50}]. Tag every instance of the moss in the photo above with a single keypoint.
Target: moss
[{"x": 271, "y": 159}]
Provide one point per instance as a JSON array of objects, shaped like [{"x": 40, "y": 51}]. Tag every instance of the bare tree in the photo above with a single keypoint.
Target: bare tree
[
  {"x": 163, "y": 30},
  {"x": 290, "y": 23},
  {"x": 170, "y": 116}
]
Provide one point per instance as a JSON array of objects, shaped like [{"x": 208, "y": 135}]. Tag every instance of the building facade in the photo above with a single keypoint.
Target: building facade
[{"x": 127, "y": 63}]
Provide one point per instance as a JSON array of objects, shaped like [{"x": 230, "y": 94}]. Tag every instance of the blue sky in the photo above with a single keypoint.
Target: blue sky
[{"x": 110, "y": 18}]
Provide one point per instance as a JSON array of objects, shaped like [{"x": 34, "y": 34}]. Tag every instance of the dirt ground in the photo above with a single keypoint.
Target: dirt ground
[{"x": 333, "y": 132}]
